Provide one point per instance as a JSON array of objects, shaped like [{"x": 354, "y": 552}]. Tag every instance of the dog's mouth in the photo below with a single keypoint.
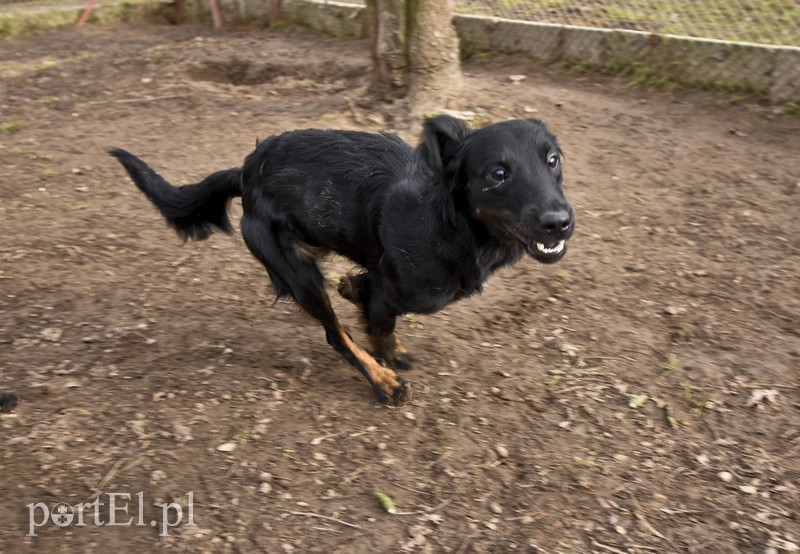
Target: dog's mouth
[
  {"x": 548, "y": 249},
  {"x": 545, "y": 252},
  {"x": 548, "y": 253}
]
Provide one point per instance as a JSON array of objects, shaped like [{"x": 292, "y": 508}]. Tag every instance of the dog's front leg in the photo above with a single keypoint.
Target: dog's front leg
[
  {"x": 295, "y": 273},
  {"x": 379, "y": 321}
]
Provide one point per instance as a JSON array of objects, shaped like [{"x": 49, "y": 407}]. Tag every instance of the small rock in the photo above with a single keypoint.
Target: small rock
[
  {"x": 790, "y": 547},
  {"x": 490, "y": 525},
  {"x": 72, "y": 384},
  {"x": 264, "y": 476},
  {"x": 517, "y": 78},
  {"x": 620, "y": 529},
  {"x": 182, "y": 433},
  {"x": 671, "y": 310},
  {"x": 158, "y": 395},
  {"x": 82, "y": 189},
  {"x": 316, "y": 441},
  {"x": 726, "y": 476},
  {"x": 157, "y": 476},
  {"x": 748, "y": 489},
  {"x": 52, "y": 334},
  {"x": 410, "y": 416},
  {"x": 762, "y": 395},
  {"x": 227, "y": 447},
  {"x": 501, "y": 451},
  {"x": 569, "y": 350},
  {"x": 265, "y": 488},
  {"x": 702, "y": 459},
  {"x": 496, "y": 508}
]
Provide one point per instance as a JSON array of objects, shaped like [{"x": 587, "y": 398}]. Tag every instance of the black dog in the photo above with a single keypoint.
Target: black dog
[{"x": 428, "y": 225}]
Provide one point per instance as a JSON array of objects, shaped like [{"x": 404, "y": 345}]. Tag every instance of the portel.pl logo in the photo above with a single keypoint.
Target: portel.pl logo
[{"x": 65, "y": 515}]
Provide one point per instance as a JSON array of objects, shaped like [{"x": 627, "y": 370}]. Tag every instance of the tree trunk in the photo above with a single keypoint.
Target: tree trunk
[{"x": 415, "y": 52}]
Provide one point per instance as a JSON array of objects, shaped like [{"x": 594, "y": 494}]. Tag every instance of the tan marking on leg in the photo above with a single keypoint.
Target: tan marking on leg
[
  {"x": 399, "y": 348},
  {"x": 390, "y": 349},
  {"x": 346, "y": 291},
  {"x": 306, "y": 252},
  {"x": 393, "y": 387}
]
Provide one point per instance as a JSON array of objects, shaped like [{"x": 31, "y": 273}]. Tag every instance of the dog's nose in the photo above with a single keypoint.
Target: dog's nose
[{"x": 556, "y": 224}]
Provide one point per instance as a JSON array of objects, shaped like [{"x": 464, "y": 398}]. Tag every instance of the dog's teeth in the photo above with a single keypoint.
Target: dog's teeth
[{"x": 554, "y": 250}]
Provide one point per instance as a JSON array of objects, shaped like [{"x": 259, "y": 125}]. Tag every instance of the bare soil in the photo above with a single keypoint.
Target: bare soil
[{"x": 641, "y": 396}]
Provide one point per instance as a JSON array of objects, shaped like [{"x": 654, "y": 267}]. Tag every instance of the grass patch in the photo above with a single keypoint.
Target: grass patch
[{"x": 10, "y": 128}]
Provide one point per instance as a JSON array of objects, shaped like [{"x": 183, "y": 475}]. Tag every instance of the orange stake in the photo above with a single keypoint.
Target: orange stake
[
  {"x": 87, "y": 11},
  {"x": 215, "y": 14}
]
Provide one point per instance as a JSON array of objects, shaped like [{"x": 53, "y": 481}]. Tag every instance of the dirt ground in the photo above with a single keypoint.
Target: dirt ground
[{"x": 640, "y": 396}]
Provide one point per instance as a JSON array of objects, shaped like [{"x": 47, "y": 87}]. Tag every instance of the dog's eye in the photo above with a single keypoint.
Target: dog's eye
[
  {"x": 552, "y": 161},
  {"x": 498, "y": 175}
]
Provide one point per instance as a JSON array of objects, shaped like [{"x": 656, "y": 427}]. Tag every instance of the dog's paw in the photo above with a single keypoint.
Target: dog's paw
[
  {"x": 399, "y": 360},
  {"x": 401, "y": 395},
  {"x": 397, "y": 394},
  {"x": 8, "y": 401}
]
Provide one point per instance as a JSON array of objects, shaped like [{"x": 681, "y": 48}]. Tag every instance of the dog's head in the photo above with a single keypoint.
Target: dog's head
[{"x": 511, "y": 175}]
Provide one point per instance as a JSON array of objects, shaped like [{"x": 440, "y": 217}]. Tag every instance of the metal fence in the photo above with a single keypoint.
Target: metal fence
[{"x": 771, "y": 22}]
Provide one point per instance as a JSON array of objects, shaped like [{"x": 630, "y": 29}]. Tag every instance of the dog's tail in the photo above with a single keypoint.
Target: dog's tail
[{"x": 192, "y": 210}]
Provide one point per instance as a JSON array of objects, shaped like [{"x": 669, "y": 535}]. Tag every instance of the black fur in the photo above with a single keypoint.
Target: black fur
[
  {"x": 192, "y": 210},
  {"x": 8, "y": 401},
  {"x": 428, "y": 225}
]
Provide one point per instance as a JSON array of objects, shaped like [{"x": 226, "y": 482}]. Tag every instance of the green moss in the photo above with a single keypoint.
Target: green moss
[
  {"x": 279, "y": 26},
  {"x": 22, "y": 19},
  {"x": 10, "y": 128}
]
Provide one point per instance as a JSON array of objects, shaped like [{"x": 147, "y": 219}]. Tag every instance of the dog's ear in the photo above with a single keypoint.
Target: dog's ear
[{"x": 441, "y": 136}]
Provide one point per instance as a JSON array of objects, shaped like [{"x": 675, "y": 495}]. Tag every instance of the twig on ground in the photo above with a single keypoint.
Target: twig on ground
[
  {"x": 639, "y": 513},
  {"x": 425, "y": 511},
  {"x": 607, "y": 548},
  {"x": 137, "y": 100},
  {"x": 114, "y": 472},
  {"x": 347, "y": 480},
  {"x": 326, "y": 518}
]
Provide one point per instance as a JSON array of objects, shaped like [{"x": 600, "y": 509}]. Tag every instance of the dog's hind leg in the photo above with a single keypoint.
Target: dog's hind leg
[
  {"x": 379, "y": 319},
  {"x": 293, "y": 273}
]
